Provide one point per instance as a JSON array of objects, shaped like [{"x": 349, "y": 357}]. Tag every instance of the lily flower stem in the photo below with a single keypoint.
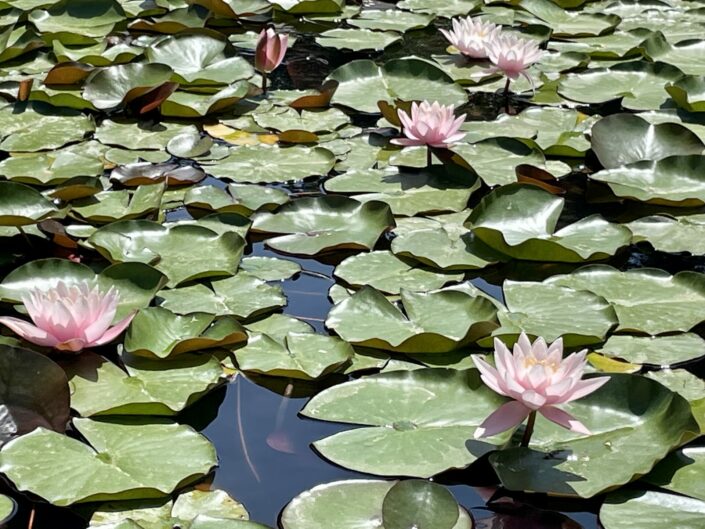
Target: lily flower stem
[
  {"x": 429, "y": 157},
  {"x": 529, "y": 429},
  {"x": 25, "y": 237},
  {"x": 506, "y": 95},
  {"x": 264, "y": 83}
]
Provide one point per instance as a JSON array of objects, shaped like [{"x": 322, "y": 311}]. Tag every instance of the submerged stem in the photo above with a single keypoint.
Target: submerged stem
[{"x": 529, "y": 429}]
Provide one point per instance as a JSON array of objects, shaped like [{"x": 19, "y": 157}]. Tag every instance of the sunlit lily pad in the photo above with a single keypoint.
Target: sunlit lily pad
[
  {"x": 147, "y": 173},
  {"x": 148, "y": 242},
  {"x": 671, "y": 234},
  {"x": 625, "y": 443},
  {"x": 650, "y": 510},
  {"x": 680, "y": 472},
  {"x": 686, "y": 55},
  {"x": 661, "y": 351},
  {"x": 433, "y": 322},
  {"x": 447, "y": 9},
  {"x": 422, "y": 425},
  {"x": 109, "y": 206},
  {"x": 194, "y": 105},
  {"x": 21, "y": 205},
  {"x": 140, "y": 135},
  {"x": 357, "y": 39},
  {"x": 77, "y": 22},
  {"x": 158, "y": 332},
  {"x": 686, "y": 384},
  {"x": 308, "y": 226},
  {"x": 570, "y": 23},
  {"x": 120, "y": 84},
  {"x": 308, "y": 120},
  {"x": 125, "y": 460},
  {"x": 243, "y": 199},
  {"x": 269, "y": 268},
  {"x": 148, "y": 387}
]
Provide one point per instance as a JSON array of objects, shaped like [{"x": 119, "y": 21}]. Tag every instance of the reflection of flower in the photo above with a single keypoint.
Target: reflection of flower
[
  {"x": 513, "y": 55},
  {"x": 471, "y": 36},
  {"x": 270, "y": 50},
  {"x": 69, "y": 317},
  {"x": 537, "y": 378},
  {"x": 430, "y": 124}
]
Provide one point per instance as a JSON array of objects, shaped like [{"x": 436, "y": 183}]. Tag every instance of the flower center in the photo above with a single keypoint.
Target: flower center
[{"x": 547, "y": 364}]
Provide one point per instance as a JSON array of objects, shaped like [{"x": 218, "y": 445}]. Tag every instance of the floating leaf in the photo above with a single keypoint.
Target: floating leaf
[
  {"x": 123, "y": 83},
  {"x": 357, "y": 39},
  {"x": 671, "y": 234},
  {"x": 661, "y": 351},
  {"x": 650, "y": 510},
  {"x": 21, "y": 205}
]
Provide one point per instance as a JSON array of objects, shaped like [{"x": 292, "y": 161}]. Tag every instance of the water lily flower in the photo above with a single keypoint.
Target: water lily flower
[
  {"x": 269, "y": 53},
  {"x": 471, "y": 36},
  {"x": 538, "y": 379},
  {"x": 430, "y": 124},
  {"x": 69, "y": 317},
  {"x": 512, "y": 56}
]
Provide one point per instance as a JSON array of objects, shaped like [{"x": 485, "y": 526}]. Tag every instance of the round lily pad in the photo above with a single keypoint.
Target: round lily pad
[
  {"x": 650, "y": 510},
  {"x": 661, "y": 351}
]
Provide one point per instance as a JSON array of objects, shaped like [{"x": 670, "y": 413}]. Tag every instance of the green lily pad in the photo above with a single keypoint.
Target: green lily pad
[
  {"x": 646, "y": 300},
  {"x": 300, "y": 7},
  {"x": 421, "y": 504},
  {"x": 189, "y": 144},
  {"x": 193, "y": 105},
  {"x": 309, "y": 120},
  {"x": 689, "y": 93},
  {"x": 148, "y": 387},
  {"x": 680, "y": 472},
  {"x": 675, "y": 180},
  {"x": 305, "y": 356},
  {"x": 520, "y": 221},
  {"x": 138, "y": 136},
  {"x": 29, "y": 406},
  {"x": 639, "y": 84},
  {"x": 110, "y": 206},
  {"x": 671, "y": 234},
  {"x": 448, "y": 9},
  {"x": 406, "y": 192},
  {"x": 117, "y": 85},
  {"x": 269, "y": 268},
  {"x": 158, "y": 332},
  {"x": 432, "y": 322},
  {"x": 422, "y": 424},
  {"x": 77, "y": 21},
  {"x": 243, "y": 296},
  {"x": 315, "y": 225},
  {"x": 136, "y": 283},
  {"x": 686, "y": 55},
  {"x": 569, "y": 23},
  {"x": 21, "y": 205},
  {"x": 389, "y": 274},
  {"x": 8, "y": 508},
  {"x": 686, "y": 384},
  {"x": 15, "y": 42},
  {"x": 148, "y": 242},
  {"x": 627, "y": 440},
  {"x": 262, "y": 163},
  {"x": 125, "y": 460},
  {"x": 357, "y": 39},
  {"x": 662, "y": 351},
  {"x": 362, "y": 84},
  {"x": 621, "y": 139},
  {"x": 650, "y": 510},
  {"x": 243, "y": 199},
  {"x": 100, "y": 54}
]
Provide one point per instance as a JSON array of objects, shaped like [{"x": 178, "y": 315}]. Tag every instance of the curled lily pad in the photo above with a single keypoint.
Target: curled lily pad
[
  {"x": 422, "y": 423},
  {"x": 627, "y": 440},
  {"x": 189, "y": 144},
  {"x": 359, "y": 504},
  {"x": 650, "y": 510},
  {"x": 123, "y": 460},
  {"x": 194, "y": 105},
  {"x": 314, "y": 225},
  {"x": 148, "y": 242},
  {"x": 21, "y": 205},
  {"x": 28, "y": 406},
  {"x": 520, "y": 221},
  {"x": 686, "y": 384},
  {"x": 146, "y": 173},
  {"x": 147, "y": 387},
  {"x": 158, "y": 332},
  {"x": 109, "y": 206},
  {"x": 117, "y": 85},
  {"x": 433, "y": 322},
  {"x": 243, "y": 199},
  {"x": 689, "y": 93}
]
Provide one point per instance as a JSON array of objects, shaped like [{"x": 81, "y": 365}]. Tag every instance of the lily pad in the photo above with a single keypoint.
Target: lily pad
[
  {"x": 120, "y": 84},
  {"x": 148, "y": 242},
  {"x": 315, "y": 225},
  {"x": 158, "y": 332},
  {"x": 140, "y": 135},
  {"x": 76, "y": 21},
  {"x": 125, "y": 460},
  {"x": 270, "y": 268},
  {"x": 680, "y": 472},
  {"x": 243, "y": 199},
  {"x": 21, "y": 205},
  {"x": 661, "y": 351},
  {"x": 423, "y": 423},
  {"x": 650, "y": 510},
  {"x": 671, "y": 234},
  {"x": 148, "y": 173},
  {"x": 109, "y": 206},
  {"x": 432, "y": 322},
  {"x": 357, "y": 39},
  {"x": 627, "y": 440}
]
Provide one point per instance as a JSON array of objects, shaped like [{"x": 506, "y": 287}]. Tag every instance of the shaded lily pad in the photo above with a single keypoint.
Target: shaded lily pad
[
  {"x": 627, "y": 440},
  {"x": 680, "y": 472},
  {"x": 77, "y": 22},
  {"x": 650, "y": 510},
  {"x": 686, "y": 384},
  {"x": 148, "y": 242},
  {"x": 21, "y": 205},
  {"x": 315, "y": 225},
  {"x": 146, "y": 173},
  {"x": 194, "y": 105},
  {"x": 120, "y": 84},
  {"x": 433, "y": 322},
  {"x": 27, "y": 406},
  {"x": 125, "y": 460},
  {"x": 158, "y": 332},
  {"x": 149, "y": 387},
  {"x": 421, "y": 426}
]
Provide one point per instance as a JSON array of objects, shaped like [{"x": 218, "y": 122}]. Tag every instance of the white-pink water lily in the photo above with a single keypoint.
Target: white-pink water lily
[
  {"x": 471, "y": 35},
  {"x": 69, "y": 317},
  {"x": 270, "y": 50},
  {"x": 513, "y": 55},
  {"x": 430, "y": 124},
  {"x": 537, "y": 378}
]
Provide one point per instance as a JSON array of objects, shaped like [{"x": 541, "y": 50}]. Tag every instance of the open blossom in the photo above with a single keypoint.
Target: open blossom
[
  {"x": 513, "y": 55},
  {"x": 471, "y": 36},
  {"x": 430, "y": 124},
  {"x": 69, "y": 317},
  {"x": 538, "y": 379},
  {"x": 270, "y": 50}
]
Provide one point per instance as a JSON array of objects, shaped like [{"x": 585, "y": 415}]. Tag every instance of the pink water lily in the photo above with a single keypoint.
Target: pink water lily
[
  {"x": 471, "y": 36},
  {"x": 513, "y": 56},
  {"x": 430, "y": 124},
  {"x": 270, "y": 51},
  {"x": 538, "y": 379},
  {"x": 69, "y": 317}
]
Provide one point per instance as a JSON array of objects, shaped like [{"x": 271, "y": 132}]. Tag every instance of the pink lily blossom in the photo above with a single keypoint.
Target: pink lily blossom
[
  {"x": 513, "y": 56},
  {"x": 430, "y": 124},
  {"x": 270, "y": 50},
  {"x": 537, "y": 378},
  {"x": 69, "y": 317},
  {"x": 471, "y": 36}
]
